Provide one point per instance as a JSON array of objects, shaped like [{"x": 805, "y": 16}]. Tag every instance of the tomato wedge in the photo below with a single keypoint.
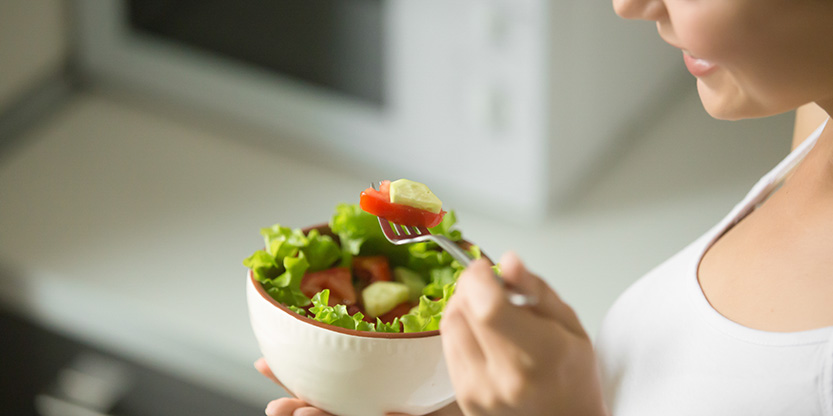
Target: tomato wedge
[
  {"x": 337, "y": 279},
  {"x": 378, "y": 203},
  {"x": 369, "y": 269}
]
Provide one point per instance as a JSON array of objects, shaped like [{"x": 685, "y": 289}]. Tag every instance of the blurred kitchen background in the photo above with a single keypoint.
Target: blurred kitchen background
[{"x": 144, "y": 143}]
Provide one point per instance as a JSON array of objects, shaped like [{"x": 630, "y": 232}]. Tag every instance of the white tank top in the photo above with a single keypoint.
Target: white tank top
[{"x": 663, "y": 349}]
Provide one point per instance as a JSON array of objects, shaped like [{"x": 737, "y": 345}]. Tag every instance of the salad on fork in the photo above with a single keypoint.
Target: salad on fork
[{"x": 406, "y": 210}]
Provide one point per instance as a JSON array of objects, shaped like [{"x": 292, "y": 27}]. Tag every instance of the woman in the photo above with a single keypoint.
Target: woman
[{"x": 739, "y": 322}]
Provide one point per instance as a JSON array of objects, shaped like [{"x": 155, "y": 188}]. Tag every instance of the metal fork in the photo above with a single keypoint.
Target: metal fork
[{"x": 402, "y": 234}]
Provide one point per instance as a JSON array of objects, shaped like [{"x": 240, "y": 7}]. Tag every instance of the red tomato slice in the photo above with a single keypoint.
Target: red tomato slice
[
  {"x": 396, "y": 312},
  {"x": 384, "y": 187},
  {"x": 369, "y": 269},
  {"x": 378, "y": 203},
  {"x": 337, "y": 279}
]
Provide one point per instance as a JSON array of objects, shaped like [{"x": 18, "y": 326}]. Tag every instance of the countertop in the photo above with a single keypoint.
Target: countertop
[{"x": 124, "y": 222}]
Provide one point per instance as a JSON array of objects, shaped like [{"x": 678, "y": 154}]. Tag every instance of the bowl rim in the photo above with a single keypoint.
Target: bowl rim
[{"x": 325, "y": 229}]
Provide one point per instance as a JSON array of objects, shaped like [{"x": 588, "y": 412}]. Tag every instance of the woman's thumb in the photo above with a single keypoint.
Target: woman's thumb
[{"x": 549, "y": 304}]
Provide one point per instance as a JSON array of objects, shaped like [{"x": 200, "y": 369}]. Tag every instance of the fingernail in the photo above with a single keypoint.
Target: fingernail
[{"x": 271, "y": 408}]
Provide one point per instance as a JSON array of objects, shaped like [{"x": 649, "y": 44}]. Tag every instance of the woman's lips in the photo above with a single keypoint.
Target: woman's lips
[{"x": 698, "y": 67}]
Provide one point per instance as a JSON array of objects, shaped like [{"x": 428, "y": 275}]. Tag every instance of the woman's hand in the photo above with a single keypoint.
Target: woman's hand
[
  {"x": 296, "y": 407},
  {"x": 509, "y": 360},
  {"x": 285, "y": 406}
]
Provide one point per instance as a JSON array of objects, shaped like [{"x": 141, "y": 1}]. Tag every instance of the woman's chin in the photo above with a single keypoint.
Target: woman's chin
[{"x": 728, "y": 102}]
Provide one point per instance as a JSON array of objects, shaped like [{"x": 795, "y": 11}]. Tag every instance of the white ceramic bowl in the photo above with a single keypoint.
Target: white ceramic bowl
[{"x": 348, "y": 372}]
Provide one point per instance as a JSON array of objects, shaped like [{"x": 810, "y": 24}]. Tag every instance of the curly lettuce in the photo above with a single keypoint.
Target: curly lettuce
[
  {"x": 427, "y": 316},
  {"x": 338, "y": 316},
  {"x": 288, "y": 255}
]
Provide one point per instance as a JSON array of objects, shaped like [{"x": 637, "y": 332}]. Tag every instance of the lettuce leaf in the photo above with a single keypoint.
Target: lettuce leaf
[
  {"x": 442, "y": 270},
  {"x": 321, "y": 251},
  {"x": 286, "y": 288},
  {"x": 440, "y": 278},
  {"x": 299, "y": 311},
  {"x": 445, "y": 227},
  {"x": 425, "y": 256},
  {"x": 263, "y": 266},
  {"x": 359, "y": 234},
  {"x": 288, "y": 255},
  {"x": 337, "y": 315},
  {"x": 334, "y": 315},
  {"x": 427, "y": 316},
  {"x": 392, "y": 326},
  {"x": 353, "y": 227}
]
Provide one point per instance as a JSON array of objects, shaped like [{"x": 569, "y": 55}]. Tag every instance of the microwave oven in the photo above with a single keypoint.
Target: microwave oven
[{"x": 508, "y": 105}]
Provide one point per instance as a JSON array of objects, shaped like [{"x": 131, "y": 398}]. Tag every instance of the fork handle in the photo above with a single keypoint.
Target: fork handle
[
  {"x": 452, "y": 248},
  {"x": 514, "y": 296}
]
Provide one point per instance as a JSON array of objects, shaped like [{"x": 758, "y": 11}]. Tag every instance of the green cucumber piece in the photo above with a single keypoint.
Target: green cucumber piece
[
  {"x": 381, "y": 297},
  {"x": 412, "y": 279},
  {"x": 414, "y": 194}
]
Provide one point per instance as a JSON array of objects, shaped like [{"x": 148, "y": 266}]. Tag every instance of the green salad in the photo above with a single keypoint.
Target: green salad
[{"x": 356, "y": 279}]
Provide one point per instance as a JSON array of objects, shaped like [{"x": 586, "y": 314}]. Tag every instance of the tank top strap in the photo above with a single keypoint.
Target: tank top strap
[{"x": 773, "y": 179}]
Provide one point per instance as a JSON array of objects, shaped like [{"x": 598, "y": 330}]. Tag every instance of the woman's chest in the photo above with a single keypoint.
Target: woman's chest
[
  {"x": 773, "y": 271},
  {"x": 662, "y": 350}
]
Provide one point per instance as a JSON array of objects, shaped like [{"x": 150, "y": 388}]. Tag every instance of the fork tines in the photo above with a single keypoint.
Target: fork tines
[
  {"x": 403, "y": 234},
  {"x": 406, "y": 230}
]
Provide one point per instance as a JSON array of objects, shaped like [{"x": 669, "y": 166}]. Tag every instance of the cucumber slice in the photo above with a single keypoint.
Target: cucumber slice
[
  {"x": 381, "y": 297},
  {"x": 411, "y": 279},
  {"x": 414, "y": 194}
]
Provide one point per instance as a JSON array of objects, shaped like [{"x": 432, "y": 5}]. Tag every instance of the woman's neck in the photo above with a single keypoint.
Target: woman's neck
[
  {"x": 807, "y": 119},
  {"x": 825, "y": 141},
  {"x": 817, "y": 171},
  {"x": 827, "y": 106}
]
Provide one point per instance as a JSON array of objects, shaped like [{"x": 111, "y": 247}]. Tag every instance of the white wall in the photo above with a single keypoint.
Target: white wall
[
  {"x": 609, "y": 76},
  {"x": 33, "y": 43}
]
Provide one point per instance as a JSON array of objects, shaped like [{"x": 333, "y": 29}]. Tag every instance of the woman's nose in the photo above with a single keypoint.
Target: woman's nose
[{"x": 640, "y": 9}]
